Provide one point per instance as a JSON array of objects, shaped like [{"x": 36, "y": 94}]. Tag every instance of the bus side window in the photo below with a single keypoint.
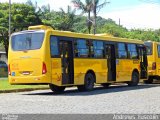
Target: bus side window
[
  {"x": 158, "y": 51},
  {"x": 122, "y": 52},
  {"x": 54, "y": 46},
  {"x": 81, "y": 48},
  {"x": 132, "y": 51},
  {"x": 98, "y": 49}
]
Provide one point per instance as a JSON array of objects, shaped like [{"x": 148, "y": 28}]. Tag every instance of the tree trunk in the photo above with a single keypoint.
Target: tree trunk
[
  {"x": 89, "y": 22},
  {"x": 94, "y": 20},
  {"x": 6, "y": 49}
]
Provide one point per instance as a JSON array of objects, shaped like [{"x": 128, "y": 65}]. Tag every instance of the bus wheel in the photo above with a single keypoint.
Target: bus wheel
[
  {"x": 135, "y": 79},
  {"x": 106, "y": 85},
  {"x": 88, "y": 83},
  {"x": 149, "y": 81},
  {"x": 56, "y": 89}
]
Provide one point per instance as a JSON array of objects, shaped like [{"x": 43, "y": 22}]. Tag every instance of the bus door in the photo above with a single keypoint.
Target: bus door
[
  {"x": 111, "y": 62},
  {"x": 143, "y": 62},
  {"x": 66, "y": 52}
]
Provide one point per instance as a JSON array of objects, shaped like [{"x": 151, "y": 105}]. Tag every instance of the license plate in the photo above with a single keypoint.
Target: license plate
[{"x": 26, "y": 73}]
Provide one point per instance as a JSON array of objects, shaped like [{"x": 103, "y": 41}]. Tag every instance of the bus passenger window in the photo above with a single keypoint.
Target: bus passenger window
[
  {"x": 81, "y": 48},
  {"x": 98, "y": 49},
  {"x": 122, "y": 53},
  {"x": 54, "y": 46},
  {"x": 149, "y": 46},
  {"x": 132, "y": 51},
  {"x": 159, "y": 51}
]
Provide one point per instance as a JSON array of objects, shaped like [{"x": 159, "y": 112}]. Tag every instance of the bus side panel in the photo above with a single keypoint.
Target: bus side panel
[
  {"x": 158, "y": 67},
  {"x": 125, "y": 68},
  {"x": 157, "y": 60},
  {"x": 151, "y": 59},
  {"x": 56, "y": 68},
  {"x": 81, "y": 66}
]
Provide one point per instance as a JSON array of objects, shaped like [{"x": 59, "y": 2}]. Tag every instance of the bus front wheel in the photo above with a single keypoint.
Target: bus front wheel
[
  {"x": 134, "y": 80},
  {"x": 88, "y": 83},
  {"x": 56, "y": 89}
]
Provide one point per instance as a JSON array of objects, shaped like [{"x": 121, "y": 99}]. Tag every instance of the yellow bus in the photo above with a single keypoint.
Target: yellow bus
[
  {"x": 42, "y": 55},
  {"x": 153, "y": 55}
]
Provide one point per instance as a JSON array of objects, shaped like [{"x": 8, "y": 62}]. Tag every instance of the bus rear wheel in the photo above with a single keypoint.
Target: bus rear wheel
[
  {"x": 56, "y": 89},
  {"x": 134, "y": 80},
  {"x": 88, "y": 83},
  {"x": 149, "y": 81}
]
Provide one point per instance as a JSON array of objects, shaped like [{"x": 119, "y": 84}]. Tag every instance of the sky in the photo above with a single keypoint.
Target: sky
[{"x": 142, "y": 14}]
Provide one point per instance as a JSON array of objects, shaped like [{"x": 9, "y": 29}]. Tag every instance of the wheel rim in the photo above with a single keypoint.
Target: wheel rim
[
  {"x": 89, "y": 83},
  {"x": 135, "y": 79}
]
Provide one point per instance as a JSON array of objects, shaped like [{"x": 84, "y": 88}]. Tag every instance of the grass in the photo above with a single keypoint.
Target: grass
[{"x": 4, "y": 85}]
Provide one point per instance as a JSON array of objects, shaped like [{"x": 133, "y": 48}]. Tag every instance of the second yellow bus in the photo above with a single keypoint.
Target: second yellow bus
[{"x": 153, "y": 54}]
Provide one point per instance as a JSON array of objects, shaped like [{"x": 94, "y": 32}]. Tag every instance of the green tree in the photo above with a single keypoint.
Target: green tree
[
  {"x": 66, "y": 19},
  {"x": 47, "y": 15},
  {"x": 1, "y": 47},
  {"x": 22, "y": 16},
  {"x": 60, "y": 20},
  {"x": 97, "y": 6},
  {"x": 112, "y": 28},
  {"x": 86, "y": 7},
  {"x": 144, "y": 35}
]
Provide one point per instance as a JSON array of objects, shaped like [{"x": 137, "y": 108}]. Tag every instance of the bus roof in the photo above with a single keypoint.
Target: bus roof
[
  {"x": 152, "y": 41},
  {"x": 40, "y": 27},
  {"x": 95, "y": 37},
  {"x": 105, "y": 36},
  {"x": 28, "y": 31}
]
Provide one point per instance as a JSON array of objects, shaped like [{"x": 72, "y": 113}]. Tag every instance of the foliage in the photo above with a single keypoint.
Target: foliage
[
  {"x": 65, "y": 20},
  {"x": 97, "y": 6},
  {"x": 1, "y": 47},
  {"x": 59, "y": 20},
  {"x": 143, "y": 35},
  {"x": 22, "y": 16},
  {"x": 86, "y": 7}
]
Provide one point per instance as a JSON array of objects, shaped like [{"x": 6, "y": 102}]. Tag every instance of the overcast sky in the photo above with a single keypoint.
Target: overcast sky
[{"x": 143, "y": 14}]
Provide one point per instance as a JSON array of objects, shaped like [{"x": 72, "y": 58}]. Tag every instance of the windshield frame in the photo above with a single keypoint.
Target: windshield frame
[{"x": 27, "y": 32}]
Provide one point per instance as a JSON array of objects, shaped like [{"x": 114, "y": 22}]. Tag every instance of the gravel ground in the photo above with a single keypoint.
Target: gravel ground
[{"x": 116, "y": 99}]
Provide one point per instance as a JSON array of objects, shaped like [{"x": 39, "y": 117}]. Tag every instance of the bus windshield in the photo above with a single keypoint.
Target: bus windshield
[
  {"x": 27, "y": 41},
  {"x": 149, "y": 47}
]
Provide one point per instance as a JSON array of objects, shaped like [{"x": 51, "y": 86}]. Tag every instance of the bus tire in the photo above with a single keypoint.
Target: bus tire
[
  {"x": 106, "y": 85},
  {"x": 134, "y": 80},
  {"x": 88, "y": 83},
  {"x": 56, "y": 89},
  {"x": 149, "y": 81}
]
